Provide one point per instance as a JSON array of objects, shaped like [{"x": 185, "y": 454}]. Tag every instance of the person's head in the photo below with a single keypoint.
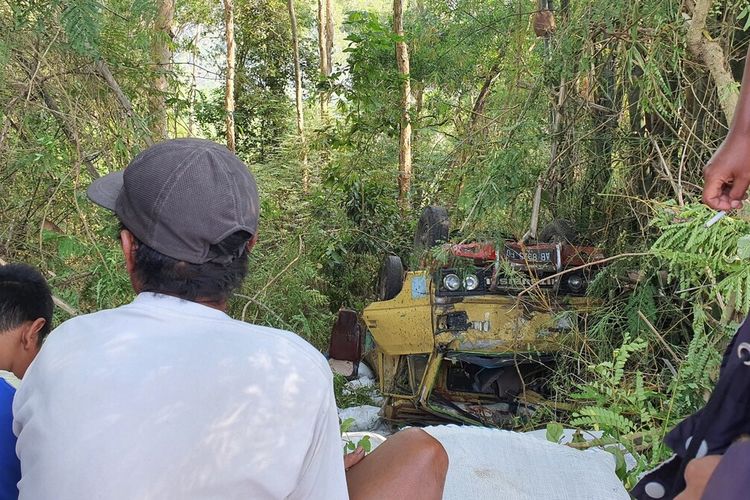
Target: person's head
[
  {"x": 25, "y": 316},
  {"x": 189, "y": 214}
]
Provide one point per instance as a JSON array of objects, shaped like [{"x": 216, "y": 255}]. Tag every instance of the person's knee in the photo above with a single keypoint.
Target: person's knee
[{"x": 428, "y": 449}]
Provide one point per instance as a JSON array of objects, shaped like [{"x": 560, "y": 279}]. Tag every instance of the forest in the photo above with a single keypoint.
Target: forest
[{"x": 356, "y": 115}]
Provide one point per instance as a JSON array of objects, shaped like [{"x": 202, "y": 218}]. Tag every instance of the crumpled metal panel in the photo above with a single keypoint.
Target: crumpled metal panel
[{"x": 403, "y": 325}]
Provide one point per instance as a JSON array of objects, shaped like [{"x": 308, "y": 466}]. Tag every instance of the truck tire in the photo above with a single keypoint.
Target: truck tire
[
  {"x": 559, "y": 231},
  {"x": 391, "y": 279},
  {"x": 433, "y": 228}
]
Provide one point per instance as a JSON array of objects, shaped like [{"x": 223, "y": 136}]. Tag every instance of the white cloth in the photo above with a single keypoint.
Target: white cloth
[
  {"x": 491, "y": 463},
  {"x": 169, "y": 399}
]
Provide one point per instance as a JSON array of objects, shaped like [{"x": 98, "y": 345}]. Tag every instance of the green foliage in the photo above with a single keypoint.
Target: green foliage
[
  {"x": 350, "y": 446},
  {"x": 705, "y": 258},
  {"x": 81, "y": 20},
  {"x": 554, "y": 432},
  {"x": 618, "y": 403},
  {"x": 612, "y": 93}
]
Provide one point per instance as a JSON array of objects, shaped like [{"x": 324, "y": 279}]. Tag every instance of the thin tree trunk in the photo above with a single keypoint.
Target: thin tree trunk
[
  {"x": 402, "y": 59},
  {"x": 298, "y": 97},
  {"x": 710, "y": 53},
  {"x": 418, "y": 104},
  {"x": 477, "y": 112},
  {"x": 323, "y": 54},
  {"x": 329, "y": 35},
  {"x": 229, "y": 91},
  {"x": 193, "y": 84},
  {"x": 325, "y": 49},
  {"x": 162, "y": 57},
  {"x": 104, "y": 72}
]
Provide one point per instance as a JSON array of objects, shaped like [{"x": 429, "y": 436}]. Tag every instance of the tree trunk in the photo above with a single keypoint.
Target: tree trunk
[
  {"x": 325, "y": 49},
  {"x": 477, "y": 111},
  {"x": 103, "y": 71},
  {"x": 402, "y": 59},
  {"x": 710, "y": 53},
  {"x": 162, "y": 57},
  {"x": 323, "y": 54},
  {"x": 193, "y": 83},
  {"x": 605, "y": 120},
  {"x": 229, "y": 91},
  {"x": 329, "y": 35},
  {"x": 298, "y": 97}
]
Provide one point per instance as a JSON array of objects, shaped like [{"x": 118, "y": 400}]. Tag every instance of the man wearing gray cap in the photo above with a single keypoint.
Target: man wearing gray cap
[{"x": 168, "y": 397}]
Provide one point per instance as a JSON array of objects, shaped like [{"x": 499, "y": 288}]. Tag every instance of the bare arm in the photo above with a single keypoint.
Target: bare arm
[{"x": 727, "y": 175}]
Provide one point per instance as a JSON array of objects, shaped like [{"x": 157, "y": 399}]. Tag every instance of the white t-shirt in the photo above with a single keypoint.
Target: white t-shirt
[{"x": 169, "y": 399}]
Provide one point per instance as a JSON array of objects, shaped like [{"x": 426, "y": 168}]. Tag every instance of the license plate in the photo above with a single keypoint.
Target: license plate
[{"x": 530, "y": 255}]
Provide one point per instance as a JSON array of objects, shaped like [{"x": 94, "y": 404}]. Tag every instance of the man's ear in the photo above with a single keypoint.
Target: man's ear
[
  {"x": 30, "y": 335},
  {"x": 129, "y": 247}
]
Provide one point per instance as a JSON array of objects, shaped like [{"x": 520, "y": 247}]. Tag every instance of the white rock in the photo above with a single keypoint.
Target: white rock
[
  {"x": 365, "y": 371},
  {"x": 359, "y": 383},
  {"x": 365, "y": 417}
]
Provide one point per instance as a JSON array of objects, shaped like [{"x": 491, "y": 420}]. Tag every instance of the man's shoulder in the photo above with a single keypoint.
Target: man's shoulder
[
  {"x": 102, "y": 315},
  {"x": 287, "y": 343},
  {"x": 237, "y": 335}
]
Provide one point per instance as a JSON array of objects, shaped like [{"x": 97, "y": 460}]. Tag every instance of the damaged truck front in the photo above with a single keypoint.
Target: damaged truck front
[{"x": 474, "y": 341}]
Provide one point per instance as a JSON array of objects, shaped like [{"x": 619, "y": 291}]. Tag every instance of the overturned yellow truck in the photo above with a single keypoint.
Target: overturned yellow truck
[{"x": 475, "y": 340}]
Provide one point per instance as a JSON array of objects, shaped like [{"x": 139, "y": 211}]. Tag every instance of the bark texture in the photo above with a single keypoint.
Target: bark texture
[
  {"x": 325, "y": 48},
  {"x": 710, "y": 53},
  {"x": 229, "y": 90},
  {"x": 329, "y": 35},
  {"x": 298, "y": 97},
  {"x": 402, "y": 59},
  {"x": 102, "y": 69},
  {"x": 162, "y": 57}
]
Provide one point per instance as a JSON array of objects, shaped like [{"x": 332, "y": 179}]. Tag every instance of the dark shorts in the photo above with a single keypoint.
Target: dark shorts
[{"x": 711, "y": 430}]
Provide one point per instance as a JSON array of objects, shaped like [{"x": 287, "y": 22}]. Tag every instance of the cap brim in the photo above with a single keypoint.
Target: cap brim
[{"x": 105, "y": 190}]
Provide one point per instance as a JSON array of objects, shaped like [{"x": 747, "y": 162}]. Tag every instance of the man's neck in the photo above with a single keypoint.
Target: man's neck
[{"x": 219, "y": 305}]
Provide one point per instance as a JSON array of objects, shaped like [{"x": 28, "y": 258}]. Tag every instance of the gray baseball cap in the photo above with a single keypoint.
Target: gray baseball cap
[{"x": 181, "y": 196}]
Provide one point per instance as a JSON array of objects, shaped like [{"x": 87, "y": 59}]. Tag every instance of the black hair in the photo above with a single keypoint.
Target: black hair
[
  {"x": 24, "y": 296},
  {"x": 214, "y": 280}
]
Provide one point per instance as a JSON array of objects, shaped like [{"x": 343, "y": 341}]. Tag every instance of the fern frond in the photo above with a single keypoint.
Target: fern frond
[{"x": 603, "y": 419}]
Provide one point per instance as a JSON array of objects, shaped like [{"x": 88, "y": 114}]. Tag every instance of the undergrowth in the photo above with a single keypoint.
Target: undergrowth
[{"x": 651, "y": 352}]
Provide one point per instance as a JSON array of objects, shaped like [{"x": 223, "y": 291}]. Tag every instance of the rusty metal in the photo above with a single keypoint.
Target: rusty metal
[
  {"x": 417, "y": 324},
  {"x": 346, "y": 343}
]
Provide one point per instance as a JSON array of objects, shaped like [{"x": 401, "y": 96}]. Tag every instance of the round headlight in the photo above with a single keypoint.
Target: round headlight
[
  {"x": 452, "y": 282},
  {"x": 576, "y": 282},
  {"x": 471, "y": 282}
]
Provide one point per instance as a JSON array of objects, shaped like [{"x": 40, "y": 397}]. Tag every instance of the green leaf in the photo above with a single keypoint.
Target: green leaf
[
  {"x": 68, "y": 246},
  {"x": 743, "y": 247},
  {"x": 554, "y": 432},
  {"x": 346, "y": 425},
  {"x": 621, "y": 467},
  {"x": 365, "y": 444}
]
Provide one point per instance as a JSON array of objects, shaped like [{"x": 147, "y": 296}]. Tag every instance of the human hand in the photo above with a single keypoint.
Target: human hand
[
  {"x": 727, "y": 174},
  {"x": 697, "y": 474},
  {"x": 353, "y": 458}
]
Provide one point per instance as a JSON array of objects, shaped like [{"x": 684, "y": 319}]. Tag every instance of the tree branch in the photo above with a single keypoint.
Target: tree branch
[
  {"x": 103, "y": 71},
  {"x": 710, "y": 53}
]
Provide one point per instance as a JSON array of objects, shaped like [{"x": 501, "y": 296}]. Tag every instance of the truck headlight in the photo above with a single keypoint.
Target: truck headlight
[
  {"x": 471, "y": 282},
  {"x": 576, "y": 282},
  {"x": 452, "y": 282}
]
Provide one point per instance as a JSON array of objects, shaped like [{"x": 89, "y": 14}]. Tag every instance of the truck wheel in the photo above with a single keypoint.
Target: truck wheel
[
  {"x": 433, "y": 228},
  {"x": 391, "y": 279},
  {"x": 559, "y": 231}
]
